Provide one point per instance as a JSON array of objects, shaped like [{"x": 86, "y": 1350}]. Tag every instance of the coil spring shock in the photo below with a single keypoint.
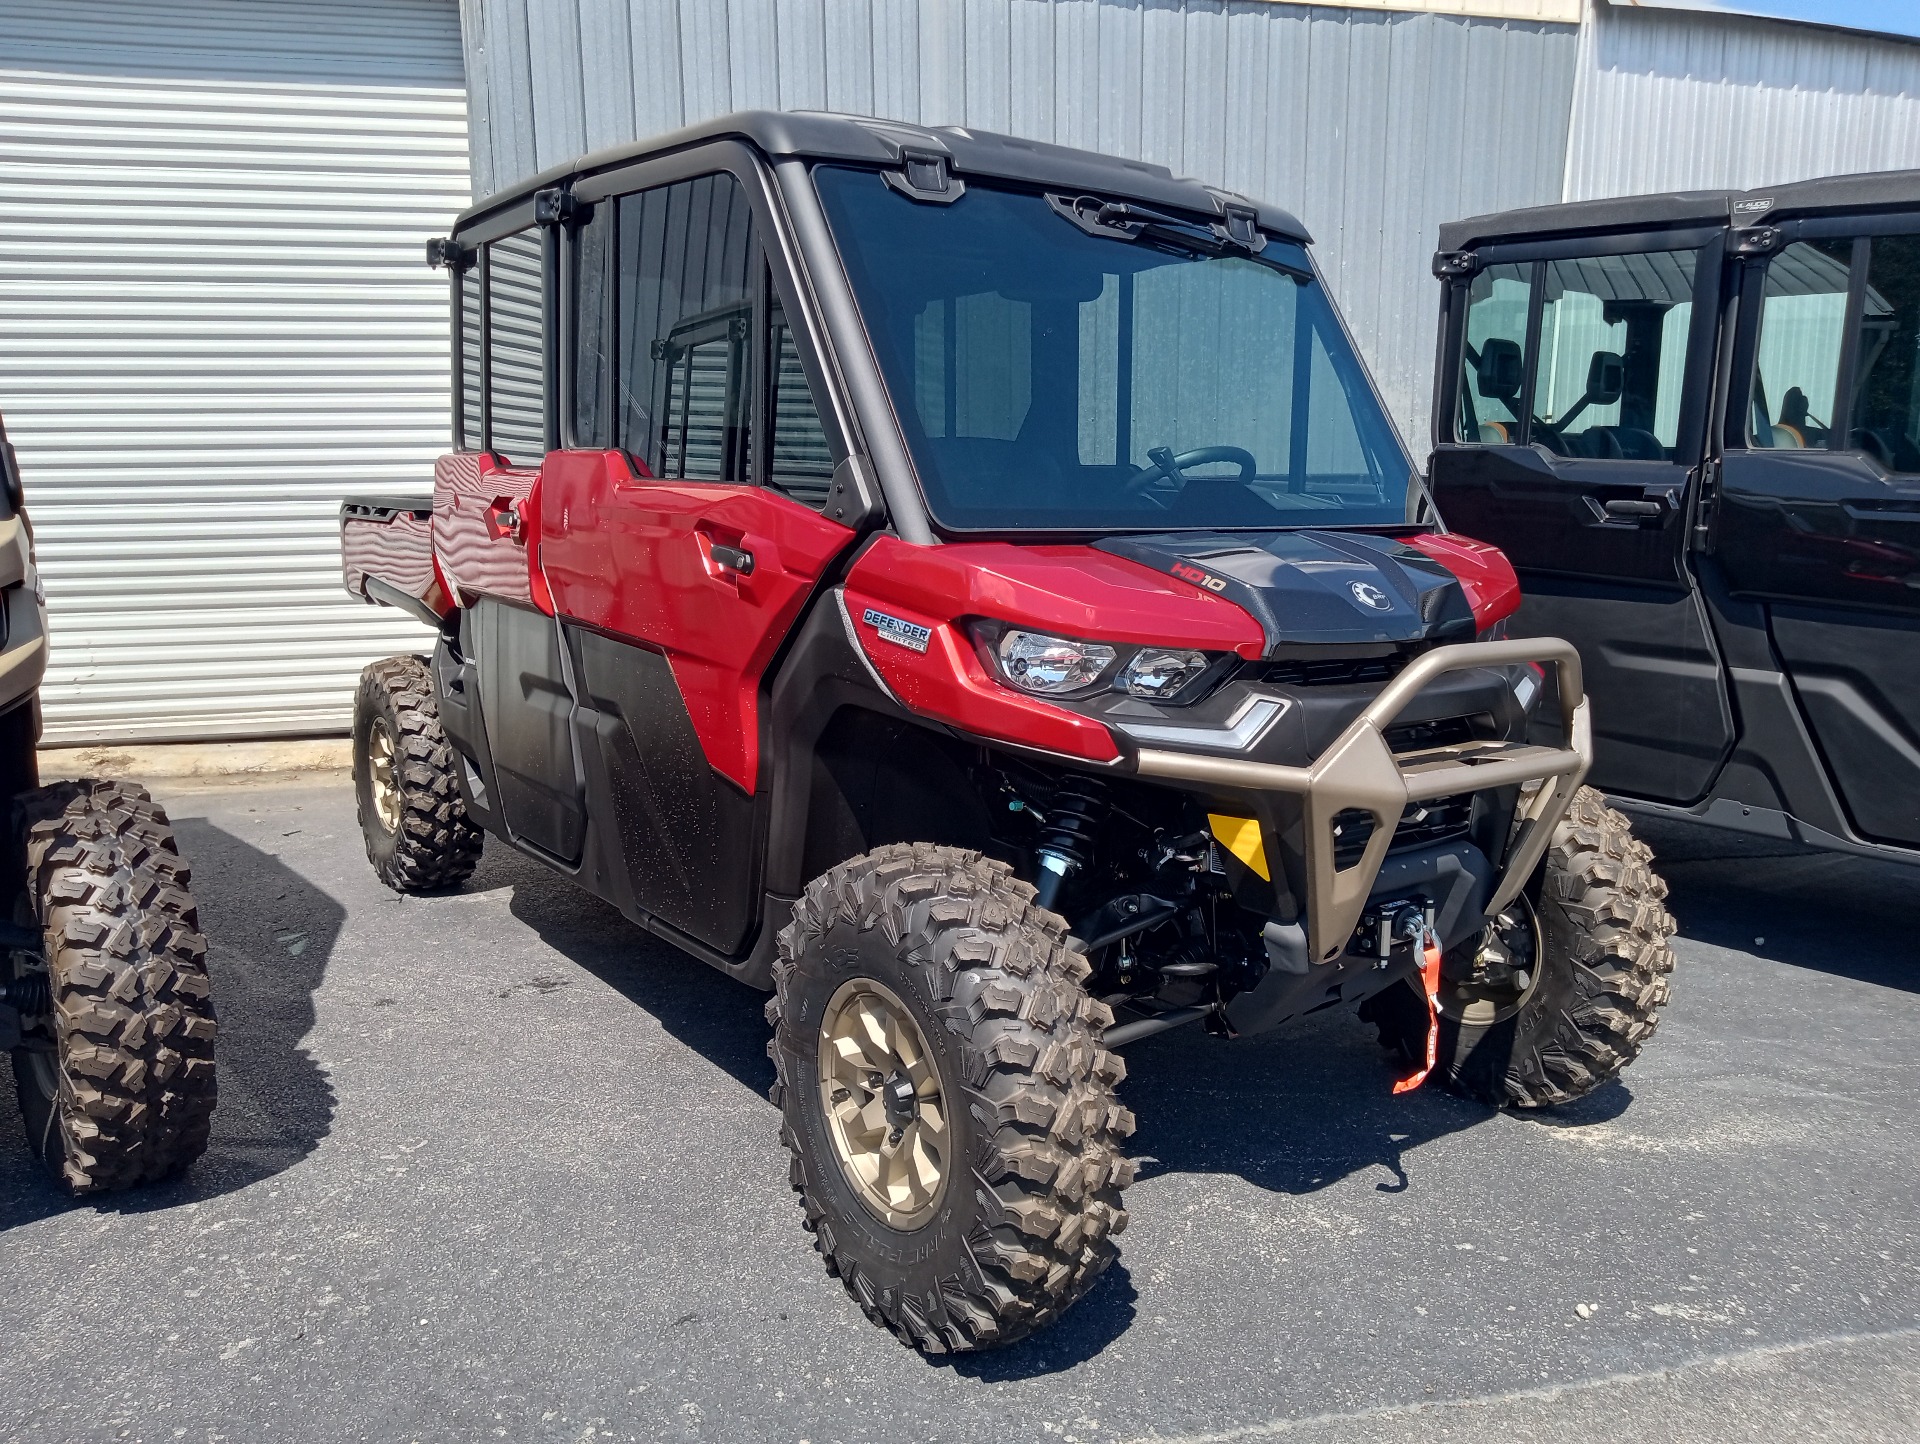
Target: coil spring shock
[
  {"x": 31, "y": 995},
  {"x": 1079, "y": 810}
]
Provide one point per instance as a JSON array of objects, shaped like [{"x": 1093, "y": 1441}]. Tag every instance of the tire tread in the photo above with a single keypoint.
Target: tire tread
[
  {"x": 132, "y": 1004},
  {"x": 1047, "y": 1169}
]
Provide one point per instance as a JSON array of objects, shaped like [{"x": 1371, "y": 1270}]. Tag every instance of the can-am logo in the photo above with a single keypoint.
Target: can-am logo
[
  {"x": 1197, "y": 577},
  {"x": 1368, "y": 595}
]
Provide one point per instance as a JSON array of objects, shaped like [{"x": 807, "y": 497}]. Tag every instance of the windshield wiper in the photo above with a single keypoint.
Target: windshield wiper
[{"x": 1128, "y": 221}]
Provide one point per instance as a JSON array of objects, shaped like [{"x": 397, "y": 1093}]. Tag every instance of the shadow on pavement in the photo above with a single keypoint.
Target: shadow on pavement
[
  {"x": 1830, "y": 912},
  {"x": 1081, "y": 1333},
  {"x": 718, "y": 1018},
  {"x": 269, "y": 935},
  {"x": 1297, "y": 1111}
]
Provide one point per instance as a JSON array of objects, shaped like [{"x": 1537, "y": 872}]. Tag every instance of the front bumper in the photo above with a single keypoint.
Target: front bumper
[{"x": 1359, "y": 771}]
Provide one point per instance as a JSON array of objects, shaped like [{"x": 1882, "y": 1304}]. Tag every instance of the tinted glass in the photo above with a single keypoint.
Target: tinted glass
[
  {"x": 1613, "y": 355},
  {"x": 801, "y": 464},
  {"x": 517, "y": 373},
  {"x": 1493, "y": 364},
  {"x": 593, "y": 359},
  {"x": 1886, "y": 376},
  {"x": 472, "y": 435},
  {"x": 1048, "y": 379},
  {"x": 684, "y": 302},
  {"x": 1803, "y": 326}
]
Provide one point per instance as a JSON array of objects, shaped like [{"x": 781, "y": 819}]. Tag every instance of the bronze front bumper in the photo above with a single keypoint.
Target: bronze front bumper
[{"x": 1360, "y": 771}]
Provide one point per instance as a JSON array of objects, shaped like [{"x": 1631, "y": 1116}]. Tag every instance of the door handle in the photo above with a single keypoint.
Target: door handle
[
  {"x": 733, "y": 559},
  {"x": 1624, "y": 511}
]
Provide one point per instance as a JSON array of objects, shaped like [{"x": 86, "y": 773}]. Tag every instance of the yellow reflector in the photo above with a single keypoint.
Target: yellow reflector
[{"x": 1241, "y": 837}]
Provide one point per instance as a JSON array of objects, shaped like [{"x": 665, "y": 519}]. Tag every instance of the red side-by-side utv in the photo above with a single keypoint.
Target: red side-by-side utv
[{"x": 972, "y": 589}]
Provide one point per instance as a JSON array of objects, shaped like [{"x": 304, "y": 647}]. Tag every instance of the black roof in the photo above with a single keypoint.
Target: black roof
[
  {"x": 1577, "y": 217},
  {"x": 822, "y": 135},
  {"x": 1870, "y": 190}
]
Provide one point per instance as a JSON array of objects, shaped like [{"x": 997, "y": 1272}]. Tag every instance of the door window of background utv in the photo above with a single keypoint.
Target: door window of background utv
[
  {"x": 1803, "y": 328},
  {"x": 1610, "y": 363},
  {"x": 1052, "y": 380}
]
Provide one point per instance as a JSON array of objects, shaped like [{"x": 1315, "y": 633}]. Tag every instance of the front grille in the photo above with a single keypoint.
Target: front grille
[
  {"x": 1333, "y": 671},
  {"x": 1421, "y": 825},
  {"x": 1420, "y": 736}
]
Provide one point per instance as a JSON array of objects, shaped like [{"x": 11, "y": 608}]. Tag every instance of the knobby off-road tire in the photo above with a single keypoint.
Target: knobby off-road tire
[
  {"x": 1603, "y": 965},
  {"x": 127, "y": 1094},
  {"x": 419, "y": 838},
  {"x": 1031, "y": 1197}
]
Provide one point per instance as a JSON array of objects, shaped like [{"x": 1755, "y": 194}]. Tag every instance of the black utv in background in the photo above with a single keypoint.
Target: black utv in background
[{"x": 1692, "y": 422}]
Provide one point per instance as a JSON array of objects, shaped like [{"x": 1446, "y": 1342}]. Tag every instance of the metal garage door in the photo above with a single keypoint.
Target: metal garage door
[{"x": 215, "y": 320}]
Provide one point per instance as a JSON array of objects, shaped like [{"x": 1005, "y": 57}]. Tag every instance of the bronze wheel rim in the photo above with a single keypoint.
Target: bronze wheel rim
[
  {"x": 380, "y": 770},
  {"x": 1503, "y": 971},
  {"x": 885, "y": 1107}
]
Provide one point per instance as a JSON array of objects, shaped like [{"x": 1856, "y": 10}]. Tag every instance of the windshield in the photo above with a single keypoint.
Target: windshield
[{"x": 1049, "y": 379}]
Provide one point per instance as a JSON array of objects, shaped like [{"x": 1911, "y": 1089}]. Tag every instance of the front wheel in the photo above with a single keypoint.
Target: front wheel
[
  {"x": 115, "y": 1069},
  {"x": 1553, "y": 1000},
  {"x": 949, "y": 1109}
]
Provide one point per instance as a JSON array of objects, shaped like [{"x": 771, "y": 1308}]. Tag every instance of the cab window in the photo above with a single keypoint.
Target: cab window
[
  {"x": 677, "y": 328},
  {"x": 1803, "y": 327},
  {"x": 1493, "y": 361},
  {"x": 1603, "y": 373},
  {"x": 516, "y": 367},
  {"x": 1886, "y": 375},
  {"x": 473, "y": 435}
]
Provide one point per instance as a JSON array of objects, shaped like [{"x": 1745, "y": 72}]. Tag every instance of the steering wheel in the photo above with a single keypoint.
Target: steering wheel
[{"x": 1167, "y": 471}]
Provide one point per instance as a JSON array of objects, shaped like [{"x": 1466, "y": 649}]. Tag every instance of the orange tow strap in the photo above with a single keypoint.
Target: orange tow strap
[{"x": 1430, "y": 980}]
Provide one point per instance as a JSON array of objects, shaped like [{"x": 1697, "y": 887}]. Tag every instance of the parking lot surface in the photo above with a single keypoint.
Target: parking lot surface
[{"x": 497, "y": 1165}]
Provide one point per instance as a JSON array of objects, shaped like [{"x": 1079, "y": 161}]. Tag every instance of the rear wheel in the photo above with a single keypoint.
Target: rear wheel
[
  {"x": 950, "y": 1111},
  {"x": 419, "y": 838},
  {"x": 1551, "y": 1000},
  {"x": 116, "y": 1071}
]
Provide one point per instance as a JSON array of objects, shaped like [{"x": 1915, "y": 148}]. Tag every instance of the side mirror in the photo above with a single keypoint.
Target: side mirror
[
  {"x": 1606, "y": 378},
  {"x": 1502, "y": 369}
]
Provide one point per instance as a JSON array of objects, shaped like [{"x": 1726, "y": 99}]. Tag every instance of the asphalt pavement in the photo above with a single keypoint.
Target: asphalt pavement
[{"x": 497, "y": 1165}]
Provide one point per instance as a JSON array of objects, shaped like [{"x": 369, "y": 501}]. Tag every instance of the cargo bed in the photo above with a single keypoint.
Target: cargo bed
[{"x": 386, "y": 554}]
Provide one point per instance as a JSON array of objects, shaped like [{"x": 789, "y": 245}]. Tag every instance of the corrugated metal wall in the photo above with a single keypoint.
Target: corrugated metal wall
[
  {"x": 1372, "y": 127},
  {"x": 1665, "y": 100},
  {"x": 215, "y": 319}
]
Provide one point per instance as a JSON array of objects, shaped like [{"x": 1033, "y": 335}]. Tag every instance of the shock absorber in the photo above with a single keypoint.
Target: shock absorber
[
  {"x": 32, "y": 995},
  {"x": 1068, "y": 836}
]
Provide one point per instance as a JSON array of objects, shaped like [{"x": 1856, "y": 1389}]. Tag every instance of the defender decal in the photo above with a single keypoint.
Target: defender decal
[{"x": 901, "y": 633}]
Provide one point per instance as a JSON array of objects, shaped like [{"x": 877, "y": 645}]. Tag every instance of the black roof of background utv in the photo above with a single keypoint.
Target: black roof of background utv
[
  {"x": 823, "y": 135},
  {"x": 1867, "y": 191},
  {"x": 1674, "y": 208}
]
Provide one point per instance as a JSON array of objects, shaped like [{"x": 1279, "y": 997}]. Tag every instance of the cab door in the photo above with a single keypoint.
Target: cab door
[
  {"x": 1819, "y": 515},
  {"x": 682, "y": 531},
  {"x": 1571, "y": 424},
  {"x": 486, "y": 503}
]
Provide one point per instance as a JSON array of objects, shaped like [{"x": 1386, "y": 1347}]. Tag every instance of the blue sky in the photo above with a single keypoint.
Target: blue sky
[{"x": 1888, "y": 17}]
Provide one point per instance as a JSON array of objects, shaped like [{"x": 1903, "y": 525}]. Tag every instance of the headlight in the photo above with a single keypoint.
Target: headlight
[
  {"x": 1157, "y": 672},
  {"x": 1051, "y": 666}
]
